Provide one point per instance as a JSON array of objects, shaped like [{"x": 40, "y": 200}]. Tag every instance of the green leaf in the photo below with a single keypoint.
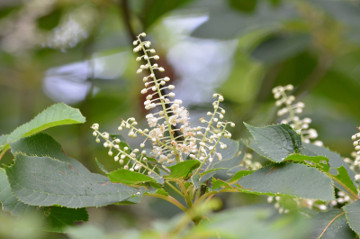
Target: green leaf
[
  {"x": 3, "y": 139},
  {"x": 8, "y": 200},
  {"x": 352, "y": 211},
  {"x": 44, "y": 181},
  {"x": 332, "y": 225},
  {"x": 50, "y": 20},
  {"x": 154, "y": 9},
  {"x": 335, "y": 160},
  {"x": 241, "y": 174},
  {"x": 274, "y": 142},
  {"x": 59, "y": 218},
  {"x": 252, "y": 223},
  {"x": 183, "y": 169},
  {"x": 280, "y": 47},
  {"x": 289, "y": 179},
  {"x": 319, "y": 162},
  {"x": 128, "y": 177},
  {"x": 226, "y": 23},
  {"x": 55, "y": 115},
  {"x": 243, "y": 6},
  {"x": 344, "y": 181}
]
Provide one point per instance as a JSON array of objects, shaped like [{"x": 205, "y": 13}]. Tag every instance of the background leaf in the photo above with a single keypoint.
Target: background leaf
[
  {"x": 289, "y": 179},
  {"x": 60, "y": 217}
]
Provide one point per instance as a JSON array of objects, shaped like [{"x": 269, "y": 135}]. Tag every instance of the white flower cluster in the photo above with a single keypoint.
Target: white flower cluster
[
  {"x": 355, "y": 155},
  {"x": 249, "y": 164},
  {"x": 172, "y": 138},
  {"x": 290, "y": 111}
]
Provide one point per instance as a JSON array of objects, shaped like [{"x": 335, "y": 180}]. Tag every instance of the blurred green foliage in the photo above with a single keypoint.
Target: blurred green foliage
[{"x": 60, "y": 50}]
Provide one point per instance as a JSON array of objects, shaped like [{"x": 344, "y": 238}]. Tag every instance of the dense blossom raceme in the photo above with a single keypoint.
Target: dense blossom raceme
[
  {"x": 354, "y": 161},
  {"x": 170, "y": 134},
  {"x": 290, "y": 113}
]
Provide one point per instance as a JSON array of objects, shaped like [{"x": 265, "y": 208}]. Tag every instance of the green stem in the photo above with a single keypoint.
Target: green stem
[{"x": 170, "y": 200}]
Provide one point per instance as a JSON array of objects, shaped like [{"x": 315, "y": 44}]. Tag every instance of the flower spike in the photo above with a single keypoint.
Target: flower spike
[{"x": 170, "y": 134}]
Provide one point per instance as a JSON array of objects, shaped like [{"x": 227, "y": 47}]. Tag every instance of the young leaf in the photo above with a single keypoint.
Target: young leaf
[
  {"x": 319, "y": 162},
  {"x": 332, "y": 225},
  {"x": 3, "y": 139},
  {"x": 183, "y": 169},
  {"x": 335, "y": 160},
  {"x": 55, "y": 115},
  {"x": 352, "y": 212},
  {"x": 44, "y": 181},
  {"x": 275, "y": 142},
  {"x": 128, "y": 177},
  {"x": 60, "y": 217},
  {"x": 343, "y": 180},
  {"x": 289, "y": 179}
]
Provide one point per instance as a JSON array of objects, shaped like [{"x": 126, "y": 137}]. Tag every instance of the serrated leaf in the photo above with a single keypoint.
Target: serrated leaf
[
  {"x": 319, "y": 162},
  {"x": 8, "y": 200},
  {"x": 344, "y": 181},
  {"x": 55, "y": 115},
  {"x": 183, "y": 169},
  {"x": 129, "y": 177},
  {"x": 44, "y": 181},
  {"x": 335, "y": 160},
  {"x": 58, "y": 218},
  {"x": 352, "y": 211},
  {"x": 274, "y": 142},
  {"x": 290, "y": 179},
  {"x": 332, "y": 225}
]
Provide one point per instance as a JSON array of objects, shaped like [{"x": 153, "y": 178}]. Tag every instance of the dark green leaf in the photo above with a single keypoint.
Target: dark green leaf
[
  {"x": 55, "y": 115},
  {"x": 60, "y": 217},
  {"x": 289, "y": 179},
  {"x": 319, "y": 162},
  {"x": 225, "y": 23},
  {"x": 275, "y": 142},
  {"x": 332, "y": 225},
  {"x": 128, "y": 177},
  {"x": 154, "y": 9},
  {"x": 280, "y": 47},
  {"x": 44, "y": 181},
  {"x": 352, "y": 211},
  {"x": 50, "y": 20},
  {"x": 243, "y": 5},
  {"x": 183, "y": 169}
]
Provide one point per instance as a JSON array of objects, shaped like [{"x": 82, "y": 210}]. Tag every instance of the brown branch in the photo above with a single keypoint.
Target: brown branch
[{"x": 328, "y": 225}]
